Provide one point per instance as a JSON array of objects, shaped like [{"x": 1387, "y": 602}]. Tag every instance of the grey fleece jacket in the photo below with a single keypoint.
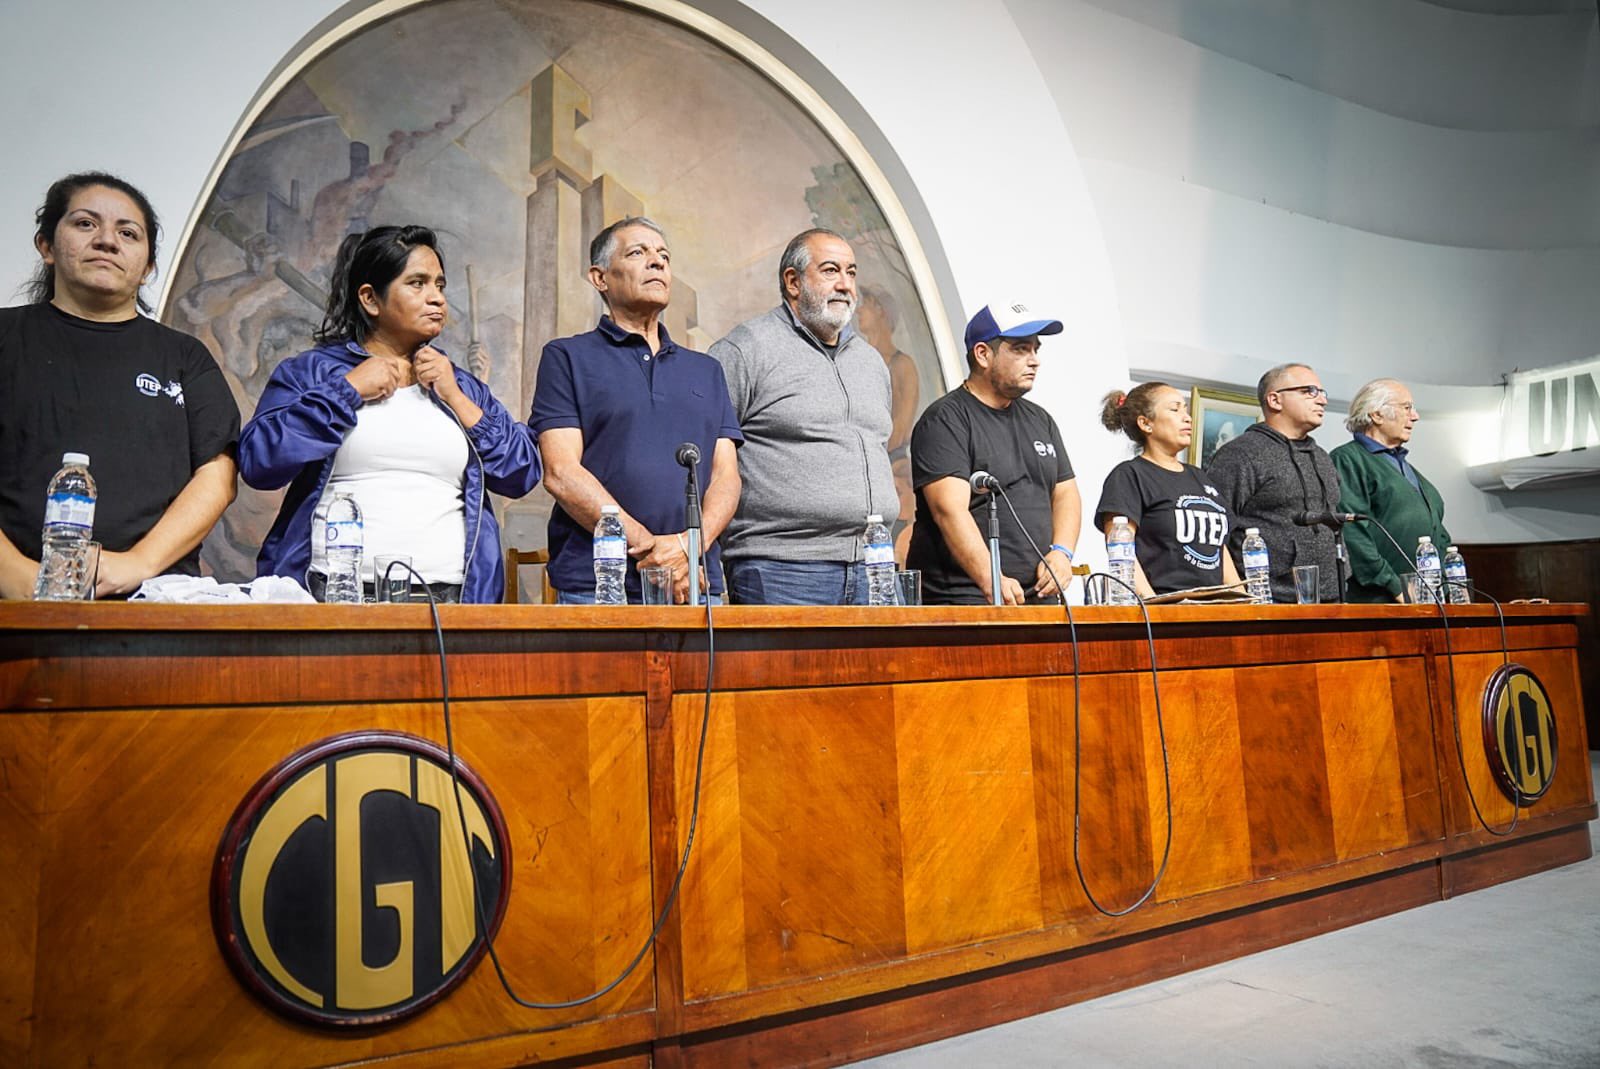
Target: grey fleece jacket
[
  {"x": 1265, "y": 479},
  {"x": 815, "y": 459}
]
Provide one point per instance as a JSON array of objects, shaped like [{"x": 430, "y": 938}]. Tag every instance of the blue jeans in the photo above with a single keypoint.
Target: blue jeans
[
  {"x": 761, "y": 581},
  {"x": 587, "y": 598}
]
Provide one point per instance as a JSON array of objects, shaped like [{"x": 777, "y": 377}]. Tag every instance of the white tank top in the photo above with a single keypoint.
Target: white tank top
[{"x": 403, "y": 463}]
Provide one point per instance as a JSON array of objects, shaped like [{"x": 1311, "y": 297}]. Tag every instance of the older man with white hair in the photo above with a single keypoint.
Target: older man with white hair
[{"x": 1376, "y": 478}]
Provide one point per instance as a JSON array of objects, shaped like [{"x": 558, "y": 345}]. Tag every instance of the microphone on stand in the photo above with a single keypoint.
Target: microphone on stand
[
  {"x": 688, "y": 457},
  {"x": 1334, "y": 520},
  {"x": 984, "y": 483}
]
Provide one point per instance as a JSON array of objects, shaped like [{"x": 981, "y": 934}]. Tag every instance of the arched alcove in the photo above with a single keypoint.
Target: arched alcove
[{"x": 518, "y": 128}]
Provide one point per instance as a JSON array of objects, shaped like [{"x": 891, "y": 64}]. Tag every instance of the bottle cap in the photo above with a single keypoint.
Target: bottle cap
[
  {"x": 1252, "y": 530},
  {"x": 1423, "y": 539},
  {"x": 610, "y": 510},
  {"x": 1118, "y": 519},
  {"x": 874, "y": 518},
  {"x": 75, "y": 458},
  {"x": 1451, "y": 549}
]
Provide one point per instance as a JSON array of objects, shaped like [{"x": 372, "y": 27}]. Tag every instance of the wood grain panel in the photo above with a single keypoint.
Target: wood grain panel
[
  {"x": 711, "y": 903},
  {"x": 1210, "y": 828},
  {"x": 1366, "y": 793},
  {"x": 24, "y": 818},
  {"x": 863, "y": 873},
  {"x": 619, "y": 866},
  {"x": 1114, "y": 829},
  {"x": 121, "y": 670},
  {"x": 140, "y": 800},
  {"x": 820, "y": 835},
  {"x": 1415, "y": 748},
  {"x": 1557, "y": 670},
  {"x": 1053, "y": 742},
  {"x": 986, "y": 997},
  {"x": 970, "y": 846},
  {"x": 1286, "y": 771},
  {"x": 1511, "y": 859},
  {"x": 1475, "y": 799}
]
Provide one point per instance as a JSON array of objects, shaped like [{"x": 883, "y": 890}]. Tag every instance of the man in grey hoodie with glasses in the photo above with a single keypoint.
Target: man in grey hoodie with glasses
[
  {"x": 1274, "y": 472},
  {"x": 815, "y": 406}
]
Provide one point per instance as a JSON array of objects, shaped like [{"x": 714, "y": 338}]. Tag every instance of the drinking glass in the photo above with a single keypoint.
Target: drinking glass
[
  {"x": 391, "y": 578},
  {"x": 655, "y": 586},
  {"x": 1307, "y": 590}
]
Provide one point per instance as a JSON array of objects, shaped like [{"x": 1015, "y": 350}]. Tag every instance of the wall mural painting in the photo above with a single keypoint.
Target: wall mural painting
[{"x": 517, "y": 129}]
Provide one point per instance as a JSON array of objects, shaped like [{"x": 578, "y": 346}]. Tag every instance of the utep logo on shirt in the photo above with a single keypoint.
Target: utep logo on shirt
[
  {"x": 1202, "y": 526},
  {"x": 150, "y": 386}
]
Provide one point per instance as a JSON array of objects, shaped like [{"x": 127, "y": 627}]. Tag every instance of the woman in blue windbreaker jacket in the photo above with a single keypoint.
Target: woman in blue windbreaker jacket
[{"x": 376, "y": 412}]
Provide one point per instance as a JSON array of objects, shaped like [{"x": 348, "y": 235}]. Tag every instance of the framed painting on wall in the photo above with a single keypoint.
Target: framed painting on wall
[{"x": 1219, "y": 416}]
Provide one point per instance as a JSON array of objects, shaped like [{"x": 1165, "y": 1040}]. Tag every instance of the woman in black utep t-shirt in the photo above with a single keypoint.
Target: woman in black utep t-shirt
[{"x": 1180, "y": 523}]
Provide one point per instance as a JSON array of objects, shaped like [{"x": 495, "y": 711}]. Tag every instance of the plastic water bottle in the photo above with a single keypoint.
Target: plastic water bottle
[
  {"x": 68, "y": 524},
  {"x": 343, "y": 533},
  {"x": 1257, "y": 567},
  {"x": 1428, "y": 567},
  {"x": 319, "y": 537},
  {"x": 880, "y": 562},
  {"x": 1455, "y": 571},
  {"x": 1120, "y": 555},
  {"x": 610, "y": 558}
]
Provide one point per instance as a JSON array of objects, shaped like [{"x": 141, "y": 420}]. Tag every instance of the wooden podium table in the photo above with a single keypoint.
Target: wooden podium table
[{"x": 885, "y": 847}]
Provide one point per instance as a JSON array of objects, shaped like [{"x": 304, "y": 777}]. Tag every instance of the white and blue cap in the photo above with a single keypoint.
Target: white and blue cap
[{"x": 1007, "y": 320}]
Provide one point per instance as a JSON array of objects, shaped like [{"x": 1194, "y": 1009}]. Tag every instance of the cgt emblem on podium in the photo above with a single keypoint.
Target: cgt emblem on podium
[
  {"x": 1519, "y": 733},
  {"x": 341, "y": 894}
]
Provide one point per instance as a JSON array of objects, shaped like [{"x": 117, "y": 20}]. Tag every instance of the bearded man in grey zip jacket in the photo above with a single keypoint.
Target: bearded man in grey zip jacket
[{"x": 815, "y": 406}]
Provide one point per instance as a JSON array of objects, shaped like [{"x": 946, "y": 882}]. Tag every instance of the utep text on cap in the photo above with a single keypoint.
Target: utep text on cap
[{"x": 1009, "y": 320}]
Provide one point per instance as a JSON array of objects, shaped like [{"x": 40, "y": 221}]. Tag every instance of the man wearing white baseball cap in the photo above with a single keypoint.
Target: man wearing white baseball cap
[{"x": 985, "y": 424}]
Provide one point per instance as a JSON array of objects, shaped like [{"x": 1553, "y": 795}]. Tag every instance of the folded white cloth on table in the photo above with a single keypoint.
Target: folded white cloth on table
[{"x": 204, "y": 590}]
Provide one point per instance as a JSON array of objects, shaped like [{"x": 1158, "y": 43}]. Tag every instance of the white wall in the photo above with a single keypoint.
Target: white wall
[
  {"x": 1378, "y": 187},
  {"x": 1194, "y": 189}
]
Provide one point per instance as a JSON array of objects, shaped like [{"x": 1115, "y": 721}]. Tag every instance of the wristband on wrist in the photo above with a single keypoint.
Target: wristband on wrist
[{"x": 1063, "y": 550}]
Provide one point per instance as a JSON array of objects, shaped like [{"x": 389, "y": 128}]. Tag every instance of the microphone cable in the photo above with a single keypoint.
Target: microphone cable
[
  {"x": 1437, "y": 595},
  {"x": 1517, "y": 796},
  {"x": 1077, "y": 729},
  {"x": 479, "y": 911}
]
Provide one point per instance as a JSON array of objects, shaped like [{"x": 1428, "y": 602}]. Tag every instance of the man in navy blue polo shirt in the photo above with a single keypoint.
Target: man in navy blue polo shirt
[{"x": 611, "y": 408}]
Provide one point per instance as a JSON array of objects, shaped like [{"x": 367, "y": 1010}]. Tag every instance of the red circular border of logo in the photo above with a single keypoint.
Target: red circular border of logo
[{"x": 244, "y": 819}]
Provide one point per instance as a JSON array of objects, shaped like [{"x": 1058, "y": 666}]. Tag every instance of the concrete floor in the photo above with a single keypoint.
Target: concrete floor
[{"x": 1508, "y": 976}]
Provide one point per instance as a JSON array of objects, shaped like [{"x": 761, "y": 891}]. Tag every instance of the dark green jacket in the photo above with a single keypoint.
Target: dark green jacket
[{"x": 1371, "y": 484}]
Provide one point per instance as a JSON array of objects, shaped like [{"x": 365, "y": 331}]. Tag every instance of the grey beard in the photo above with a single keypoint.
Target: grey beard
[{"x": 817, "y": 316}]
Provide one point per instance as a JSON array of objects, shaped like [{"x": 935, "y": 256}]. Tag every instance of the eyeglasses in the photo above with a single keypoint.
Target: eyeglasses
[{"x": 1312, "y": 392}]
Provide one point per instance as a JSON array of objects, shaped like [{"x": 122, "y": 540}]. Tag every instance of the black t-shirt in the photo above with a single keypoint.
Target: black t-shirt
[
  {"x": 146, "y": 403},
  {"x": 1181, "y": 520},
  {"x": 1019, "y": 445}
]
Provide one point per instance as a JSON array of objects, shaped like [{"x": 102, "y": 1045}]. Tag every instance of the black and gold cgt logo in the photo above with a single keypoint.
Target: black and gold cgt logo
[
  {"x": 1519, "y": 733},
  {"x": 341, "y": 893}
]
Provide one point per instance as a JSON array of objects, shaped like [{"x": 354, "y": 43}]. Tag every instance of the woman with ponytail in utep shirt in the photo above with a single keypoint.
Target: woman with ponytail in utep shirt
[
  {"x": 1180, "y": 523},
  {"x": 377, "y": 412}
]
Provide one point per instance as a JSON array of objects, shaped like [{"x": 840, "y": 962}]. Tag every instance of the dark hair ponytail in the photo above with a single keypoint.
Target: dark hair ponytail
[
  {"x": 1120, "y": 412},
  {"x": 374, "y": 259}
]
